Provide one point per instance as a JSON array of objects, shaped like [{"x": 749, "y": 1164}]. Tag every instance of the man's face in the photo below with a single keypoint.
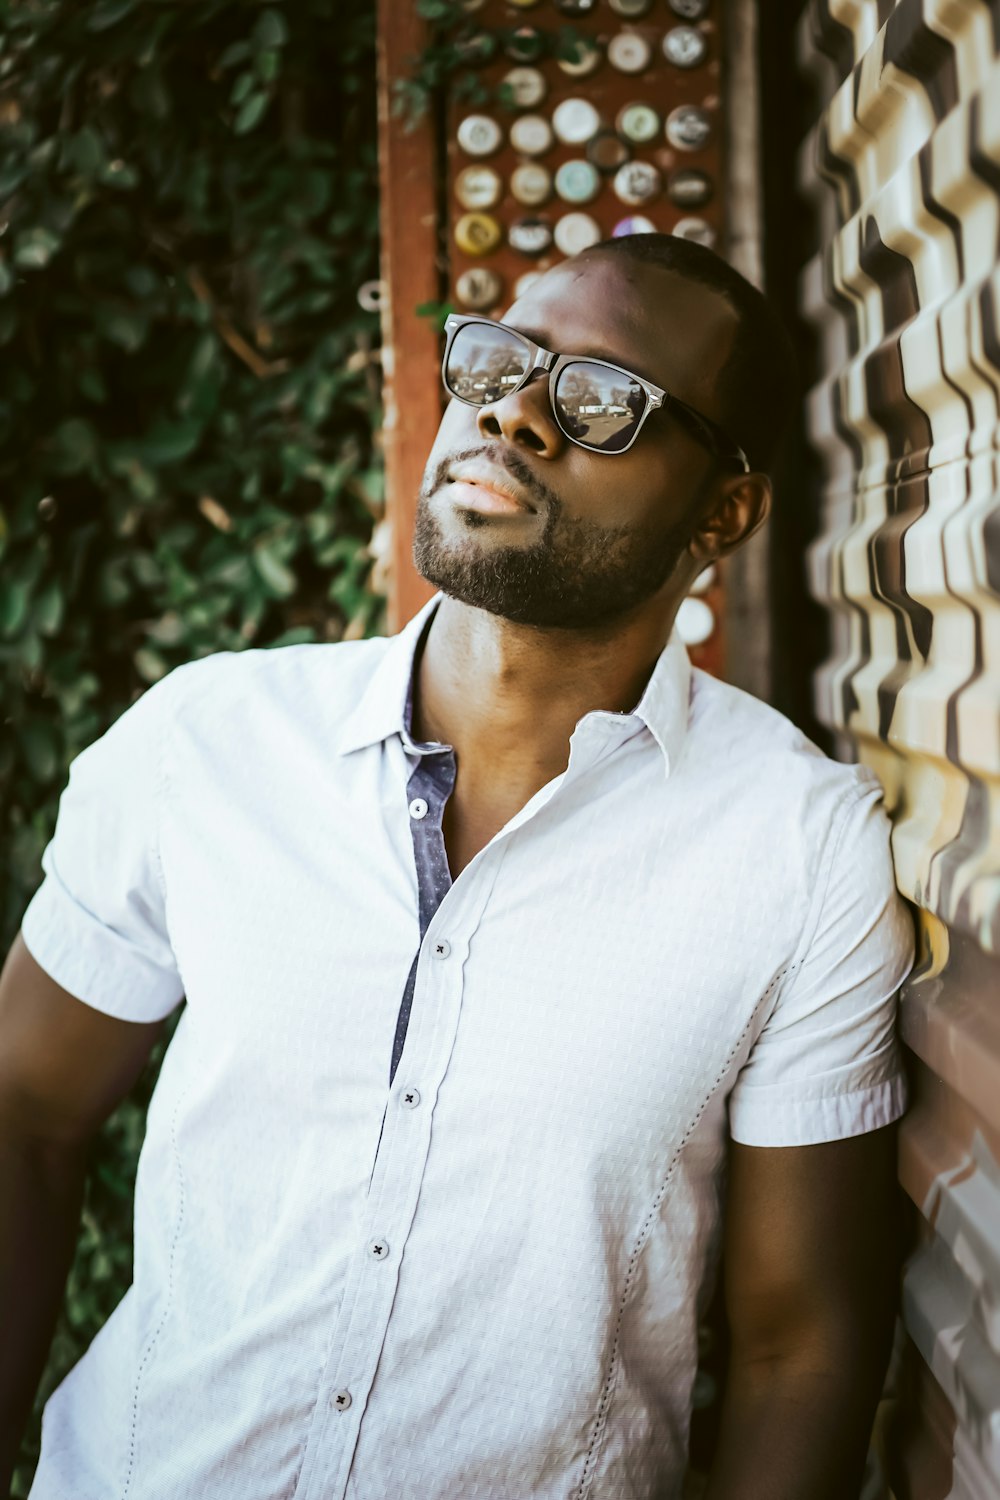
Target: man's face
[{"x": 606, "y": 531}]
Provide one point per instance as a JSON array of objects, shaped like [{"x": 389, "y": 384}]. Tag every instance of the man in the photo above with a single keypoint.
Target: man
[{"x": 519, "y": 958}]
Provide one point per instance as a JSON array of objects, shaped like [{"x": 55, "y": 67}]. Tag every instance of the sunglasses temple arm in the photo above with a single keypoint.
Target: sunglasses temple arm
[{"x": 707, "y": 431}]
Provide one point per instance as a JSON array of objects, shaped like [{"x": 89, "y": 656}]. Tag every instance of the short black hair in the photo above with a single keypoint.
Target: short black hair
[{"x": 758, "y": 380}]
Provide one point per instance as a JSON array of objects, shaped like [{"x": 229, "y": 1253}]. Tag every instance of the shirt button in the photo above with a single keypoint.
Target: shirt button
[
  {"x": 418, "y": 808},
  {"x": 378, "y": 1249},
  {"x": 442, "y": 948},
  {"x": 340, "y": 1400},
  {"x": 410, "y": 1098}
]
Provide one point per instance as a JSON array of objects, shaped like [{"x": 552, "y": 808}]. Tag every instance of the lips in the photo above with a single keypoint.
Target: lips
[{"x": 488, "y": 490}]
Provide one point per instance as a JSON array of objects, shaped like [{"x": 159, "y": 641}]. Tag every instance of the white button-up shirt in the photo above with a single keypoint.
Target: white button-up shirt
[{"x": 483, "y": 1281}]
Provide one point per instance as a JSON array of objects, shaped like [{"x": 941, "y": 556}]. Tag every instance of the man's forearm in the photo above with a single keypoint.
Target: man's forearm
[
  {"x": 789, "y": 1432},
  {"x": 40, "y": 1197}
]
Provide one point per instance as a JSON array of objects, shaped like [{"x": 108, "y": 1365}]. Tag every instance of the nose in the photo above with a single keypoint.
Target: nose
[{"x": 524, "y": 418}]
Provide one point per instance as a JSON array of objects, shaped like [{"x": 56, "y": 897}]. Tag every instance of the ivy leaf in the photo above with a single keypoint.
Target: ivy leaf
[
  {"x": 14, "y": 598},
  {"x": 271, "y": 30},
  {"x": 251, "y": 113},
  {"x": 273, "y": 571},
  {"x": 242, "y": 86},
  {"x": 267, "y": 65},
  {"x": 167, "y": 443},
  {"x": 109, "y": 13},
  {"x": 40, "y": 748},
  {"x": 35, "y": 248},
  {"x": 47, "y": 612},
  {"x": 72, "y": 446},
  {"x": 149, "y": 664},
  {"x": 118, "y": 174},
  {"x": 236, "y": 52},
  {"x": 84, "y": 152}
]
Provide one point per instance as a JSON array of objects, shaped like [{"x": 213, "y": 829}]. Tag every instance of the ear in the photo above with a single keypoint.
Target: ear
[{"x": 739, "y": 507}]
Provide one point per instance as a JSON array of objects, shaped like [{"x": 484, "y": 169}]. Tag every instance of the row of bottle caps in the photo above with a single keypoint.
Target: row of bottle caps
[
  {"x": 578, "y": 181},
  {"x": 481, "y": 287},
  {"x": 627, "y": 51},
  {"x": 576, "y": 122},
  {"x": 688, "y": 10}
]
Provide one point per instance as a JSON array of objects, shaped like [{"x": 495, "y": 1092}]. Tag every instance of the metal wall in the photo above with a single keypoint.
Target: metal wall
[{"x": 902, "y": 171}]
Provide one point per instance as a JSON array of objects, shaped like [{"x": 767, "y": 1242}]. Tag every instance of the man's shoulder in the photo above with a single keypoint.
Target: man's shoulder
[
  {"x": 769, "y": 758},
  {"x": 331, "y": 674}
]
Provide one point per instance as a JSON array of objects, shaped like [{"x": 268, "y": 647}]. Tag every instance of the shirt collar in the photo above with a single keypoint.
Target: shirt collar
[{"x": 382, "y": 709}]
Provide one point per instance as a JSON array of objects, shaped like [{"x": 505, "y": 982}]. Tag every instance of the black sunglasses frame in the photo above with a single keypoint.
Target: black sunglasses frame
[{"x": 702, "y": 428}]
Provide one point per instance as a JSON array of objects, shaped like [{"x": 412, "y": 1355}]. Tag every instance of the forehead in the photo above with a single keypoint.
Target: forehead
[{"x": 675, "y": 332}]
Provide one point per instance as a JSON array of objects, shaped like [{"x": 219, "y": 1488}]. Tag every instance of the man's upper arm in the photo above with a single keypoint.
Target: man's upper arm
[
  {"x": 63, "y": 1065},
  {"x": 811, "y": 1252}
]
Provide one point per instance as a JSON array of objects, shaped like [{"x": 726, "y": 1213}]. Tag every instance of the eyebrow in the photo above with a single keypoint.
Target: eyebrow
[{"x": 535, "y": 336}]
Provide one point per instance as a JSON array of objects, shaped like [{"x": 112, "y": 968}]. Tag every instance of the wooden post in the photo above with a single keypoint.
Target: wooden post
[{"x": 410, "y": 347}]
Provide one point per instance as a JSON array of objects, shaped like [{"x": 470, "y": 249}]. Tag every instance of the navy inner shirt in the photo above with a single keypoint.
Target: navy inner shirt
[{"x": 431, "y": 783}]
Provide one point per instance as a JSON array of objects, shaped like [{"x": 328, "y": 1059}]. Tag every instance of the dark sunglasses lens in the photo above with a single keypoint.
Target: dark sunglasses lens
[
  {"x": 484, "y": 363},
  {"x": 598, "y": 406}
]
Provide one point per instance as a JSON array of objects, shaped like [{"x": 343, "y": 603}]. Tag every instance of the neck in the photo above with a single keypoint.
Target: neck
[{"x": 509, "y": 696}]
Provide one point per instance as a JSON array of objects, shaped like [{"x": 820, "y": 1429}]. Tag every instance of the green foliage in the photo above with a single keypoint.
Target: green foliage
[
  {"x": 188, "y": 401},
  {"x": 456, "y": 47}
]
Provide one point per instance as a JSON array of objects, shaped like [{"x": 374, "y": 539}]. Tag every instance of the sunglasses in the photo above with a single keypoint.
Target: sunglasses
[{"x": 596, "y": 404}]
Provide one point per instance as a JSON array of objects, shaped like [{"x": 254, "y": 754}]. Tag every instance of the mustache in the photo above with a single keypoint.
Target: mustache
[{"x": 505, "y": 458}]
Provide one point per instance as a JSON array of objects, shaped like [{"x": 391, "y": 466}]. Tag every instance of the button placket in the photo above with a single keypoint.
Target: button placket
[{"x": 360, "y": 1331}]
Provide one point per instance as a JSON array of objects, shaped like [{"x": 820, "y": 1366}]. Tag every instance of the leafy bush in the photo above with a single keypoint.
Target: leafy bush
[{"x": 189, "y": 402}]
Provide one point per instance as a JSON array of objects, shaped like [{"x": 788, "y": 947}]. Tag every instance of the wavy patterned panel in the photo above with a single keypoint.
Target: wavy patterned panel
[{"x": 902, "y": 171}]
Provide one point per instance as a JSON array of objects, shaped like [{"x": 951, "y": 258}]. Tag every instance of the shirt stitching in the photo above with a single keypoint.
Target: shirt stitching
[
  {"x": 600, "y": 1421},
  {"x": 154, "y": 1337},
  {"x": 159, "y": 794}
]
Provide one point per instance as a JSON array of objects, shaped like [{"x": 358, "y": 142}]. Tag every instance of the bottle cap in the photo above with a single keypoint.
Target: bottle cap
[
  {"x": 479, "y": 288},
  {"x": 630, "y": 9},
  {"x": 688, "y": 127},
  {"x": 695, "y": 621},
  {"x": 527, "y": 87},
  {"x": 479, "y": 135},
  {"x": 629, "y": 52},
  {"x": 637, "y": 182},
  {"x": 531, "y": 135},
  {"x": 531, "y": 183},
  {"x": 524, "y": 45},
  {"x": 575, "y": 232},
  {"x": 477, "y": 234},
  {"x": 577, "y": 181},
  {"x": 689, "y": 10},
  {"x": 685, "y": 47},
  {"x": 575, "y": 121},
  {"x": 530, "y": 236},
  {"x": 586, "y": 59},
  {"x": 576, "y": 7},
  {"x": 699, "y": 230},
  {"x": 638, "y": 123},
  {"x": 478, "y": 187},
  {"x": 633, "y": 224},
  {"x": 689, "y": 188},
  {"x": 607, "y": 151}
]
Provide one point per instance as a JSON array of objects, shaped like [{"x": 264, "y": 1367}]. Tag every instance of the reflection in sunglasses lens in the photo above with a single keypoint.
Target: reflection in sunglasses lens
[
  {"x": 484, "y": 363},
  {"x": 598, "y": 406}
]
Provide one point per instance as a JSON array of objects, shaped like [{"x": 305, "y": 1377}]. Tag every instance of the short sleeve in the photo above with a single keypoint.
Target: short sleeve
[
  {"x": 827, "y": 1063},
  {"x": 97, "y": 922}
]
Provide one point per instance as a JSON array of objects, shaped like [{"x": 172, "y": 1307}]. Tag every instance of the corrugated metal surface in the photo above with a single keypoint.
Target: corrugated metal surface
[{"x": 903, "y": 170}]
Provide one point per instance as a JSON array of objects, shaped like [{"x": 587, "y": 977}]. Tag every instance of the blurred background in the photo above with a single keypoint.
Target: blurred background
[{"x": 229, "y": 236}]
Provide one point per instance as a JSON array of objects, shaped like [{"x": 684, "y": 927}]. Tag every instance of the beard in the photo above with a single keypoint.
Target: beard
[{"x": 577, "y": 575}]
